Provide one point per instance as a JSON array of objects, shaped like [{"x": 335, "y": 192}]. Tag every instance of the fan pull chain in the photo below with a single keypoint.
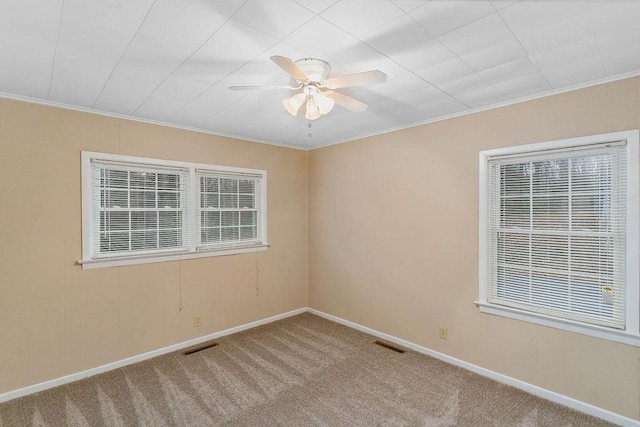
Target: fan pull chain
[{"x": 309, "y": 123}]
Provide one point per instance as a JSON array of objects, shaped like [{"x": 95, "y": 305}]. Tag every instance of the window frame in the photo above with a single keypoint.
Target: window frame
[
  {"x": 631, "y": 334},
  {"x": 194, "y": 249}
]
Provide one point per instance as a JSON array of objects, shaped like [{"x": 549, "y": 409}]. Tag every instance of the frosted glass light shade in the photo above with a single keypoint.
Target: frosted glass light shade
[
  {"x": 293, "y": 104},
  {"x": 312, "y": 112},
  {"x": 325, "y": 104}
]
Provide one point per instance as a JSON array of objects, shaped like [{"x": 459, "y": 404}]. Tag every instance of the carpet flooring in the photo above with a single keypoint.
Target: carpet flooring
[{"x": 299, "y": 371}]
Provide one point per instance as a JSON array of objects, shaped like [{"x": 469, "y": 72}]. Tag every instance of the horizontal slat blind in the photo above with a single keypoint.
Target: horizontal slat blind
[
  {"x": 138, "y": 209},
  {"x": 557, "y": 233},
  {"x": 230, "y": 211}
]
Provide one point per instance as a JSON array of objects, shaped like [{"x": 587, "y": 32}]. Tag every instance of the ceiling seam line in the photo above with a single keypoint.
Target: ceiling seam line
[
  {"x": 187, "y": 58},
  {"x": 593, "y": 28},
  {"x": 55, "y": 51},
  {"x": 402, "y": 66},
  {"x": 436, "y": 38},
  {"x": 526, "y": 50},
  {"x": 124, "y": 52}
]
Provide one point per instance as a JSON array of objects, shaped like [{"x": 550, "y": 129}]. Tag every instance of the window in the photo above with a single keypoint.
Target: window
[
  {"x": 146, "y": 210},
  {"x": 229, "y": 208},
  {"x": 559, "y": 234}
]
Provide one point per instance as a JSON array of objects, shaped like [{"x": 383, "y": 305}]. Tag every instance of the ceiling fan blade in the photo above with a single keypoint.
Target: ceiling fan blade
[
  {"x": 325, "y": 104},
  {"x": 264, "y": 87},
  {"x": 292, "y": 69},
  {"x": 346, "y": 101},
  {"x": 293, "y": 104},
  {"x": 358, "y": 79}
]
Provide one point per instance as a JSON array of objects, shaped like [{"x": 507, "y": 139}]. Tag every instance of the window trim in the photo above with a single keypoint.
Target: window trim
[
  {"x": 195, "y": 250},
  {"x": 631, "y": 334}
]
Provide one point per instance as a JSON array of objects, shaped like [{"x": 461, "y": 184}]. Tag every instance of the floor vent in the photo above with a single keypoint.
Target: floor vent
[
  {"x": 390, "y": 346},
  {"x": 199, "y": 348}
]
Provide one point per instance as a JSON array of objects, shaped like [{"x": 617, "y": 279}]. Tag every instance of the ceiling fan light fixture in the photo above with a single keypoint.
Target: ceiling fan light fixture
[
  {"x": 293, "y": 104},
  {"x": 313, "y": 112},
  {"x": 312, "y": 76},
  {"x": 325, "y": 104}
]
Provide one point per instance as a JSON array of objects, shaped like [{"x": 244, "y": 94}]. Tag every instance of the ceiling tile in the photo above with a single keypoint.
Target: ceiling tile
[
  {"x": 93, "y": 36},
  {"x": 501, "y": 4},
  {"x": 522, "y": 86},
  {"x": 620, "y": 53},
  {"x": 277, "y": 18},
  {"x": 173, "y": 94},
  {"x": 409, "y": 5},
  {"x": 359, "y": 18},
  {"x": 401, "y": 85},
  {"x": 398, "y": 36},
  {"x": 422, "y": 56},
  {"x": 495, "y": 54},
  {"x": 79, "y": 76},
  {"x": 571, "y": 64},
  {"x": 226, "y": 51},
  {"x": 484, "y": 32},
  {"x": 408, "y": 44},
  {"x": 319, "y": 38},
  {"x": 207, "y": 104},
  {"x": 441, "y": 107},
  {"x": 463, "y": 84},
  {"x": 316, "y": 6},
  {"x": 615, "y": 24},
  {"x": 28, "y": 31},
  {"x": 98, "y": 26},
  {"x": 542, "y": 26},
  {"x": 506, "y": 71},
  {"x": 421, "y": 95},
  {"x": 226, "y": 7},
  {"x": 445, "y": 71},
  {"x": 614, "y": 16},
  {"x": 481, "y": 96},
  {"x": 441, "y": 17},
  {"x": 170, "y": 34}
]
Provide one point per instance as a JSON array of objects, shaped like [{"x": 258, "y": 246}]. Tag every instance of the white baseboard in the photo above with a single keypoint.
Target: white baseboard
[
  {"x": 529, "y": 388},
  {"x": 139, "y": 358}
]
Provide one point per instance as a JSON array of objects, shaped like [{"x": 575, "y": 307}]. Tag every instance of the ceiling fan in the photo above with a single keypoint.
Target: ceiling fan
[{"x": 316, "y": 88}]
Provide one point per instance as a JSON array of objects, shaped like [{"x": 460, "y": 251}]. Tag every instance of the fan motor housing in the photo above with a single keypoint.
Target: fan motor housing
[{"x": 315, "y": 69}]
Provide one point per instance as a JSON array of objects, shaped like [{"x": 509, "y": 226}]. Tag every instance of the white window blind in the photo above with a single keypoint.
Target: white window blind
[
  {"x": 140, "y": 210},
  {"x": 137, "y": 209},
  {"x": 230, "y": 211},
  {"x": 557, "y": 233}
]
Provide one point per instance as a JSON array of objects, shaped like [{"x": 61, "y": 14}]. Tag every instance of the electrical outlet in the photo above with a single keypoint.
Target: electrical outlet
[
  {"x": 197, "y": 320},
  {"x": 443, "y": 333}
]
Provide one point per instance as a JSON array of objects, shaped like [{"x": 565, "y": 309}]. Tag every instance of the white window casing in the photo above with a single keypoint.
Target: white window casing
[
  {"x": 558, "y": 239},
  {"x": 140, "y": 210}
]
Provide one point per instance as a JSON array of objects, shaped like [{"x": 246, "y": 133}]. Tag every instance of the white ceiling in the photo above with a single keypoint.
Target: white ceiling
[{"x": 172, "y": 61}]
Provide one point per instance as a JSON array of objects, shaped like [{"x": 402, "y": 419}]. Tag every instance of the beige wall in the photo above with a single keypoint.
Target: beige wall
[
  {"x": 393, "y": 226},
  {"x": 57, "y": 319},
  {"x": 392, "y": 245}
]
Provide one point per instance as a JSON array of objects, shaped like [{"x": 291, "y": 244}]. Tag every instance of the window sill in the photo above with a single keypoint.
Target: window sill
[
  {"x": 151, "y": 258},
  {"x": 566, "y": 325}
]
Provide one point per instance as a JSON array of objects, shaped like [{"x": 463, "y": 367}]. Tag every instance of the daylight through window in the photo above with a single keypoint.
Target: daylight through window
[
  {"x": 557, "y": 231},
  {"x": 143, "y": 210}
]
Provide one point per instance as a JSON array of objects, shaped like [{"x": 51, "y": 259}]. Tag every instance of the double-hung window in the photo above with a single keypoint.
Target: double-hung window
[
  {"x": 559, "y": 234},
  {"x": 139, "y": 210}
]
